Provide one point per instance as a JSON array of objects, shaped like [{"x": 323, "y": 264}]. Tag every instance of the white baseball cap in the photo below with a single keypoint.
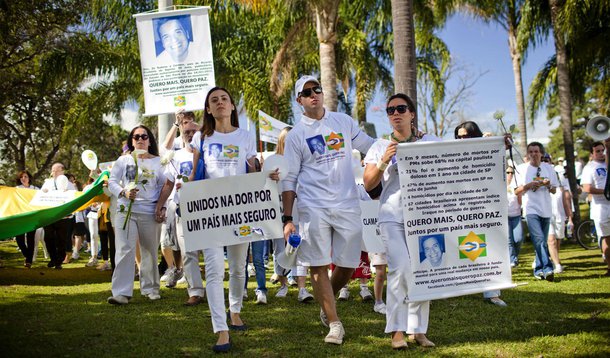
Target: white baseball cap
[{"x": 298, "y": 87}]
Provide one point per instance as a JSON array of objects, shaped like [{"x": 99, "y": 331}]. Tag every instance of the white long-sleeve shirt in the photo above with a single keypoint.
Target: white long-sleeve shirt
[
  {"x": 319, "y": 153},
  {"x": 123, "y": 172}
]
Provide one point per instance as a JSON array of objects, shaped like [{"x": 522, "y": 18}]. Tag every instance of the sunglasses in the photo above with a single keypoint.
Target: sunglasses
[
  {"x": 308, "y": 91},
  {"x": 140, "y": 136},
  {"x": 401, "y": 109},
  {"x": 538, "y": 172},
  {"x": 509, "y": 172}
]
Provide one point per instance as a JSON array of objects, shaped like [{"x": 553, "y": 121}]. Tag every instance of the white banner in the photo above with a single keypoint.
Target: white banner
[
  {"x": 370, "y": 232},
  {"x": 455, "y": 214},
  {"x": 176, "y": 58},
  {"x": 230, "y": 210},
  {"x": 52, "y": 198},
  {"x": 269, "y": 127}
]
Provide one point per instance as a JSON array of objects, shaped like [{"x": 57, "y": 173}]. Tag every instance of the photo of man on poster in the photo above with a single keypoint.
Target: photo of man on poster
[{"x": 174, "y": 42}]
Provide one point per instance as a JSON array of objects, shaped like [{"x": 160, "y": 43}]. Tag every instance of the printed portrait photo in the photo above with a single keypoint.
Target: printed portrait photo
[{"x": 316, "y": 144}]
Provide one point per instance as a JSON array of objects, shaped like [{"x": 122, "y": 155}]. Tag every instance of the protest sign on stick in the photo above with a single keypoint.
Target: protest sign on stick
[
  {"x": 455, "y": 214},
  {"x": 176, "y": 58},
  {"x": 230, "y": 210}
]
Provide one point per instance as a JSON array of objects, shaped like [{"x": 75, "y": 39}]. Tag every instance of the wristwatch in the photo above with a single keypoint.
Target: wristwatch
[{"x": 286, "y": 218}]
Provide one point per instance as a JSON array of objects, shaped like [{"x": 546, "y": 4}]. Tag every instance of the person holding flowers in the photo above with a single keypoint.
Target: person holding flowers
[{"x": 136, "y": 179}]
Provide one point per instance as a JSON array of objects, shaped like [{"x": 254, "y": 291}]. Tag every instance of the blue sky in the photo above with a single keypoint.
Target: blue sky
[{"x": 484, "y": 47}]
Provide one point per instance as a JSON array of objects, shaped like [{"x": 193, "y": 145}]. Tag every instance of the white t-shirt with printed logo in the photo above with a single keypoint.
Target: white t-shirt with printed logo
[
  {"x": 225, "y": 154},
  {"x": 182, "y": 164},
  {"x": 536, "y": 202},
  {"x": 319, "y": 153},
  {"x": 151, "y": 179},
  {"x": 390, "y": 201},
  {"x": 595, "y": 175}
]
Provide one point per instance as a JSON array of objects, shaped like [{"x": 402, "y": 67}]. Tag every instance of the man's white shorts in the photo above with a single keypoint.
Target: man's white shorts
[
  {"x": 330, "y": 235},
  {"x": 378, "y": 259},
  {"x": 557, "y": 227}
]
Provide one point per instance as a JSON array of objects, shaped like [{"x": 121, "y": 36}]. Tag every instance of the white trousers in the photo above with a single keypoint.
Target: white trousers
[
  {"x": 214, "y": 278},
  {"x": 144, "y": 227},
  {"x": 190, "y": 264},
  {"x": 94, "y": 235},
  {"x": 400, "y": 316}
]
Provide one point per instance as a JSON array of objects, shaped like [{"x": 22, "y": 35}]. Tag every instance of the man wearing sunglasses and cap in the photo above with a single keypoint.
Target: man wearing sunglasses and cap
[
  {"x": 537, "y": 181},
  {"x": 319, "y": 151}
]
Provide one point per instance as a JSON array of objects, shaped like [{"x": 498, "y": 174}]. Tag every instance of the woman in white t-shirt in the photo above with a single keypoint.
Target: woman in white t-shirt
[
  {"x": 381, "y": 166},
  {"x": 227, "y": 150},
  {"x": 136, "y": 180}
]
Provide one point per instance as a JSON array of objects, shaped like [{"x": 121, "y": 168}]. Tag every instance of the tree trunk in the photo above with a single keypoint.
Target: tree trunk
[
  {"x": 326, "y": 13},
  {"x": 565, "y": 102},
  {"x": 405, "y": 66},
  {"x": 516, "y": 59}
]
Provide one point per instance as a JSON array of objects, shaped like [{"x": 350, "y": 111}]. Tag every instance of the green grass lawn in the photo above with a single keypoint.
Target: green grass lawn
[{"x": 63, "y": 313}]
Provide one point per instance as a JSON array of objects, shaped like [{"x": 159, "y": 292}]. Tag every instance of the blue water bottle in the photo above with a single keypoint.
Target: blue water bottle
[{"x": 294, "y": 240}]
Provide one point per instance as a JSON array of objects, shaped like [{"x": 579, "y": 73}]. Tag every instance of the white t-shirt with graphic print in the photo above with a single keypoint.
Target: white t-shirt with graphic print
[
  {"x": 225, "y": 154},
  {"x": 182, "y": 164},
  {"x": 536, "y": 202},
  {"x": 595, "y": 175},
  {"x": 319, "y": 154}
]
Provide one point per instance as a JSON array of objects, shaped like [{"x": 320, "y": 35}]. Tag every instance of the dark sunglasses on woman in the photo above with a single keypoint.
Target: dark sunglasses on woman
[{"x": 400, "y": 108}]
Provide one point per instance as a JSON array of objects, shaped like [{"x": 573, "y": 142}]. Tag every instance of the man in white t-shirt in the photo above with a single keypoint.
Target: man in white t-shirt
[
  {"x": 561, "y": 203},
  {"x": 593, "y": 180},
  {"x": 537, "y": 181},
  {"x": 319, "y": 150},
  {"x": 171, "y": 142},
  {"x": 57, "y": 234},
  {"x": 176, "y": 172}
]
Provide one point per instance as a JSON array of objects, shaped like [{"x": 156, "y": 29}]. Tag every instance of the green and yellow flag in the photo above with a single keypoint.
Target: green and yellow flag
[{"x": 17, "y": 216}]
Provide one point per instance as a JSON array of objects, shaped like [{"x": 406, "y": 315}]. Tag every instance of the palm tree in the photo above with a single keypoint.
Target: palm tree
[
  {"x": 405, "y": 67},
  {"x": 507, "y": 14},
  {"x": 579, "y": 28}
]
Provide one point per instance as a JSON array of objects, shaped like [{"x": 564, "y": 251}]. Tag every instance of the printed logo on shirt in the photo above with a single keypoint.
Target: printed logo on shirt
[
  {"x": 231, "y": 151},
  {"x": 316, "y": 144},
  {"x": 335, "y": 141},
  {"x": 214, "y": 150},
  {"x": 186, "y": 168},
  {"x": 130, "y": 172},
  {"x": 601, "y": 172},
  {"x": 472, "y": 246}
]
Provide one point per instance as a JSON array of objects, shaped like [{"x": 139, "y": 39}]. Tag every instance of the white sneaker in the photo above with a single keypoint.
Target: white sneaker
[
  {"x": 172, "y": 280},
  {"x": 336, "y": 333},
  {"x": 282, "y": 292},
  {"x": 366, "y": 294},
  {"x": 292, "y": 282},
  {"x": 105, "y": 266},
  {"x": 558, "y": 268},
  {"x": 92, "y": 262},
  {"x": 153, "y": 296},
  {"x": 182, "y": 280},
  {"x": 261, "y": 297},
  {"x": 379, "y": 308},
  {"x": 118, "y": 300},
  {"x": 344, "y": 294},
  {"x": 304, "y": 295},
  {"x": 75, "y": 255},
  {"x": 167, "y": 274}
]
